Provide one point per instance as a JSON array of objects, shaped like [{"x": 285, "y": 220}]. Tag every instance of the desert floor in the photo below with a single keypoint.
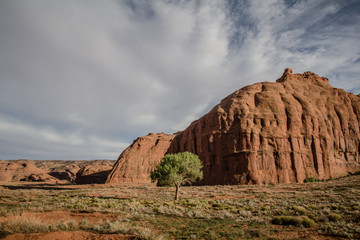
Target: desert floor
[{"x": 314, "y": 210}]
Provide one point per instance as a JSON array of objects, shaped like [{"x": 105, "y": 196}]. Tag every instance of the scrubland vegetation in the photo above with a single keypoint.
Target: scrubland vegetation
[{"x": 313, "y": 210}]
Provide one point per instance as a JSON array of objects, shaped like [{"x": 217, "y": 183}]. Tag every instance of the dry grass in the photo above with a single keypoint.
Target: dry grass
[
  {"x": 35, "y": 225},
  {"x": 310, "y": 210}
]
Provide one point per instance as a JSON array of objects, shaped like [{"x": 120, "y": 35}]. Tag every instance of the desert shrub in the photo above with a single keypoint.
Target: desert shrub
[
  {"x": 311, "y": 179},
  {"x": 299, "y": 210},
  {"x": 263, "y": 208},
  {"x": 280, "y": 212},
  {"x": 307, "y": 222},
  {"x": 64, "y": 226},
  {"x": 112, "y": 227},
  {"x": 293, "y": 221},
  {"x": 217, "y": 206},
  {"x": 123, "y": 227},
  {"x": 245, "y": 214},
  {"x": 21, "y": 225},
  {"x": 312, "y": 216},
  {"x": 355, "y": 207},
  {"x": 84, "y": 225},
  {"x": 334, "y": 217},
  {"x": 34, "y": 225},
  {"x": 284, "y": 220},
  {"x": 5, "y": 212},
  {"x": 313, "y": 207}
]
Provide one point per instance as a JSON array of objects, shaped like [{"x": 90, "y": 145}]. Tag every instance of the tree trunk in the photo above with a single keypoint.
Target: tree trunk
[{"x": 177, "y": 192}]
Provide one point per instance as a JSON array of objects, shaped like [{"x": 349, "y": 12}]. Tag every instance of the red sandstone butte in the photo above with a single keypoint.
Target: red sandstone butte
[
  {"x": 281, "y": 132},
  {"x": 137, "y": 161}
]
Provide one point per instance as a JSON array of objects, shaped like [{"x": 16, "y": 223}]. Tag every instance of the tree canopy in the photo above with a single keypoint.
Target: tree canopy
[{"x": 177, "y": 169}]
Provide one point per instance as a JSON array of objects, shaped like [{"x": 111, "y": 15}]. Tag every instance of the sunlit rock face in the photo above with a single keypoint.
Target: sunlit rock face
[
  {"x": 277, "y": 132},
  {"x": 23, "y": 171},
  {"x": 137, "y": 161}
]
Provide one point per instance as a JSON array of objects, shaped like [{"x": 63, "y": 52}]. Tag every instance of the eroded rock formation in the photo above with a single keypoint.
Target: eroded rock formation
[
  {"x": 281, "y": 132},
  {"x": 137, "y": 161},
  {"x": 65, "y": 174},
  {"x": 95, "y": 173},
  {"x": 23, "y": 171}
]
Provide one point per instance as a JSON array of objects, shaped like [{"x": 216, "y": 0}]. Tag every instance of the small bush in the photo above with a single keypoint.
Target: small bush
[
  {"x": 307, "y": 222},
  {"x": 283, "y": 220},
  {"x": 300, "y": 210},
  {"x": 280, "y": 212},
  {"x": 311, "y": 179},
  {"x": 34, "y": 225},
  {"x": 334, "y": 217},
  {"x": 293, "y": 221},
  {"x": 312, "y": 216},
  {"x": 19, "y": 225},
  {"x": 313, "y": 207}
]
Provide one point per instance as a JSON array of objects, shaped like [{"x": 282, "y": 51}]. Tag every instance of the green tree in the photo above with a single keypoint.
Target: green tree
[{"x": 177, "y": 169}]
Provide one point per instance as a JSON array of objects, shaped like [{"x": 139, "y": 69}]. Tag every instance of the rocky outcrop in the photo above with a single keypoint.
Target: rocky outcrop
[
  {"x": 95, "y": 173},
  {"x": 137, "y": 161},
  {"x": 23, "y": 171},
  {"x": 281, "y": 132},
  {"x": 65, "y": 174},
  {"x": 55, "y": 171}
]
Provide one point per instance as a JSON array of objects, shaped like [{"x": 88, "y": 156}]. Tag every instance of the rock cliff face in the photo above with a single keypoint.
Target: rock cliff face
[
  {"x": 140, "y": 158},
  {"x": 281, "y": 132}
]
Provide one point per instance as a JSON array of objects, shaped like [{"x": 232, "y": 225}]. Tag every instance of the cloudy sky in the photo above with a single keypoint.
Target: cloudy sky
[{"x": 81, "y": 79}]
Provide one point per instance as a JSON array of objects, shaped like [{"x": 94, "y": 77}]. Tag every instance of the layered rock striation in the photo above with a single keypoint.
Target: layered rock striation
[
  {"x": 137, "y": 161},
  {"x": 281, "y": 132}
]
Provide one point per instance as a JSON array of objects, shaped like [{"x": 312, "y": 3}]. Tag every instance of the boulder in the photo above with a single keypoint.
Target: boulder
[
  {"x": 137, "y": 161},
  {"x": 277, "y": 132}
]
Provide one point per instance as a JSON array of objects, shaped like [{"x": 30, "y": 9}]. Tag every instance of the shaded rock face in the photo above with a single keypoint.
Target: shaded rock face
[
  {"x": 137, "y": 161},
  {"x": 23, "y": 171},
  {"x": 96, "y": 173},
  {"x": 67, "y": 175},
  {"x": 281, "y": 132}
]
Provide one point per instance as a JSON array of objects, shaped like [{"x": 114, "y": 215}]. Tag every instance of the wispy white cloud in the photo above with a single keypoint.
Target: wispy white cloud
[
  {"x": 18, "y": 137},
  {"x": 89, "y": 77}
]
